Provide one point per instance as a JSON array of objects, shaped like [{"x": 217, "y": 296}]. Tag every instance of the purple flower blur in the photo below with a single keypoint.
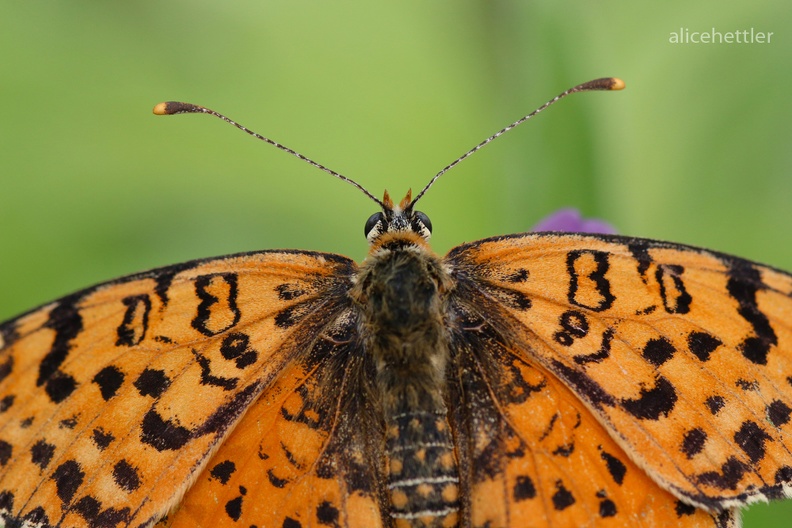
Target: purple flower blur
[{"x": 569, "y": 220}]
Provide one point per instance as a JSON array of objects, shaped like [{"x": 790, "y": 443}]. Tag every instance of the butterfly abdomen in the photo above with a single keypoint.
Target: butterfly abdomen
[
  {"x": 400, "y": 291},
  {"x": 422, "y": 470}
]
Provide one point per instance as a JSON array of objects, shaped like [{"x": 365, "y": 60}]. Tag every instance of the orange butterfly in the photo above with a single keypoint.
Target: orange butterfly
[{"x": 539, "y": 379}]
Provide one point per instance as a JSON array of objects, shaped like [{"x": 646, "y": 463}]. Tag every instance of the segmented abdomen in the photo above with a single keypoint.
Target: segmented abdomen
[{"x": 423, "y": 479}]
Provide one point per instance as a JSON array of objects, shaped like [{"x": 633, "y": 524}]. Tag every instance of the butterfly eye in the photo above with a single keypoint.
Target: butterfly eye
[
  {"x": 372, "y": 223},
  {"x": 422, "y": 225}
]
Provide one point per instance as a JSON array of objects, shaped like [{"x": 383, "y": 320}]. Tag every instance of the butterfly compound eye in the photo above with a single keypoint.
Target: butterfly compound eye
[
  {"x": 374, "y": 225},
  {"x": 422, "y": 225}
]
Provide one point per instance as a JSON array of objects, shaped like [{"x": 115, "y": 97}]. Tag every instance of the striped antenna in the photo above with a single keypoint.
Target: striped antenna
[
  {"x": 606, "y": 83},
  {"x": 174, "y": 107}
]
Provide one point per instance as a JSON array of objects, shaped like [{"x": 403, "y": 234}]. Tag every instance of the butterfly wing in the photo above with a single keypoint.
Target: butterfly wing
[
  {"x": 531, "y": 453},
  {"x": 684, "y": 357},
  {"x": 113, "y": 399},
  {"x": 308, "y": 452}
]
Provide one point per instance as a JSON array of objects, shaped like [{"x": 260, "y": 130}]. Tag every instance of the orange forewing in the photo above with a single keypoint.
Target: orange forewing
[{"x": 112, "y": 422}]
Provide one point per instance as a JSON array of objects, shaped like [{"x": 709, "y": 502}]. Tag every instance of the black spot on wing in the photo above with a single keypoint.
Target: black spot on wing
[
  {"x": 233, "y": 508},
  {"x": 693, "y": 442},
  {"x": 109, "y": 380},
  {"x": 729, "y": 476},
  {"x": 37, "y": 517},
  {"x": 91, "y": 510},
  {"x": 101, "y": 438},
  {"x": 747, "y": 385},
  {"x": 6, "y": 500},
  {"x": 702, "y": 344},
  {"x": 574, "y": 325},
  {"x": 7, "y": 402},
  {"x": 236, "y": 347},
  {"x": 562, "y": 498},
  {"x": 162, "y": 434},
  {"x": 327, "y": 514},
  {"x": 607, "y": 508},
  {"x": 59, "y": 386},
  {"x": 783, "y": 475},
  {"x": 616, "y": 467},
  {"x": 5, "y": 452},
  {"x": 41, "y": 453},
  {"x": 222, "y": 471},
  {"x": 126, "y": 476},
  {"x": 684, "y": 509},
  {"x": 658, "y": 350},
  {"x": 68, "y": 423},
  {"x": 646, "y": 311},
  {"x": 68, "y": 478},
  {"x": 152, "y": 382},
  {"x": 524, "y": 488},
  {"x": 778, "y": 413},
  {"x": 653, "y": 403},
  {"x": 751, "y": 438}
]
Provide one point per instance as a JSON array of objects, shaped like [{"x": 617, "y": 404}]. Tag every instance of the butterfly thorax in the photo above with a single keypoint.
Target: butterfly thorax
[{"x": 401, "y": 290}]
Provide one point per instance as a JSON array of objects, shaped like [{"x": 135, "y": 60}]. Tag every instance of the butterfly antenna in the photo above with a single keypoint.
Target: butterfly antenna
[
  {"x": 606, "y": 83},
  {"x": 173, "y": 107}
]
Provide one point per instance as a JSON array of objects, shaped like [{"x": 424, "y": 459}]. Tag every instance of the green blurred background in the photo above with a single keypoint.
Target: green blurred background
[{"x": 697, "y": 149}]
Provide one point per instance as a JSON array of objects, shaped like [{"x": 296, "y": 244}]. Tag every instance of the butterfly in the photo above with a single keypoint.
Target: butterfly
[{"x": 536, "y": 379}]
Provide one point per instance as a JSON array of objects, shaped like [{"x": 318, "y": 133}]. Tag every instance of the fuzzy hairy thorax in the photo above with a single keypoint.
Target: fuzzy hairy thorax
[{"x": 401, "y": 289}]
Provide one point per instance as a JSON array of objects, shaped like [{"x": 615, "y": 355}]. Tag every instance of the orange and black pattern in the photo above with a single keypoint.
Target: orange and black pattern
[{"x": 584, "y": 380}]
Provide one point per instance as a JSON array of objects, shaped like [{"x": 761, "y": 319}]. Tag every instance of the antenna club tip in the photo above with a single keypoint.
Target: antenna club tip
[
  {"x": 605, "y": 83},
  {"x": 160, "y": 109},
  {"x": 175, "y": 107}
]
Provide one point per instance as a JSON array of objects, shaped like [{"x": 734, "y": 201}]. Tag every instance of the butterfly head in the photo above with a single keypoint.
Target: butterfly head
[{"x": 401, "y": 218}]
